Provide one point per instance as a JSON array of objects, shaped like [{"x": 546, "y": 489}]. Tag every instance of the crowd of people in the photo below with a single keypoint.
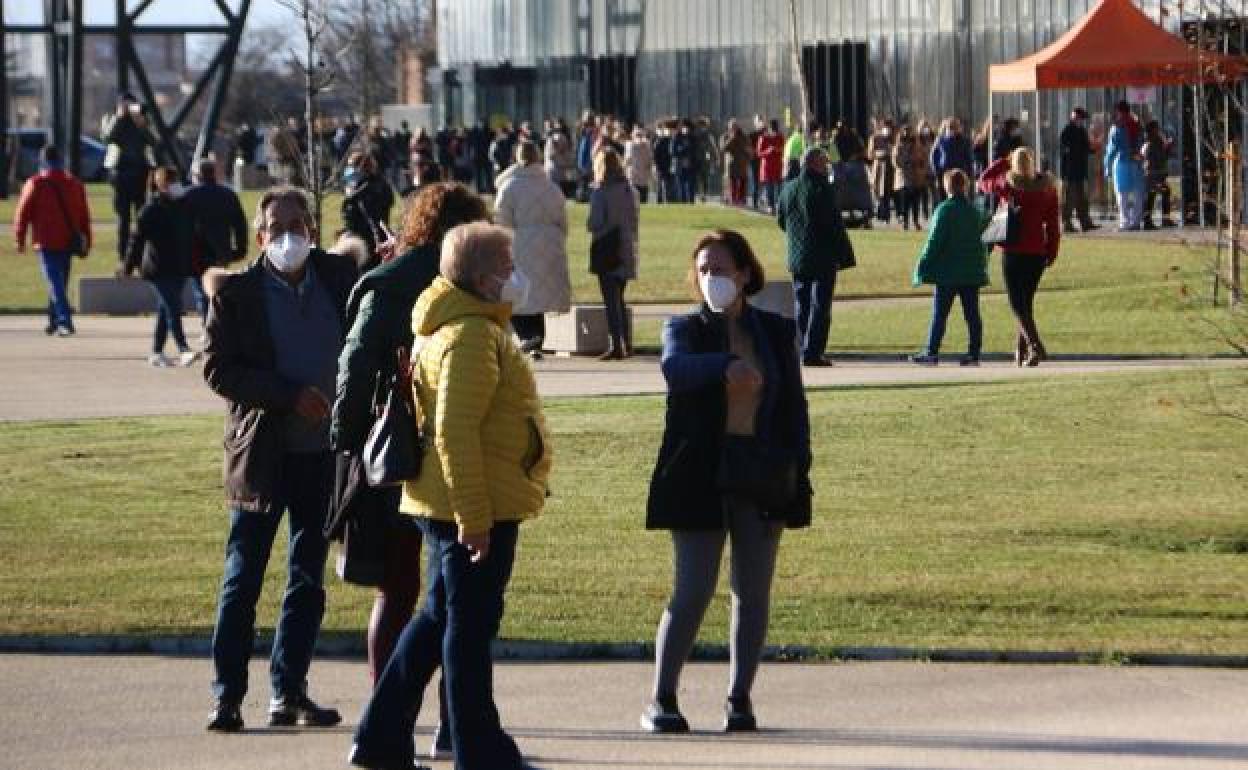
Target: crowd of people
[{"x": 449, "y": 310}]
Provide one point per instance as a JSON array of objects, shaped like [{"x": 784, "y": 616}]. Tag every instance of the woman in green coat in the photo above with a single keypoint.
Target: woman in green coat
[{"x": 955, "y": 261}]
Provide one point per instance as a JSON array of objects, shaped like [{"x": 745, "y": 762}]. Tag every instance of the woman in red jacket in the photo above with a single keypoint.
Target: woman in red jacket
[
  {"x": 1015, "y": 180},
  {"x": 770, "y": 151}
]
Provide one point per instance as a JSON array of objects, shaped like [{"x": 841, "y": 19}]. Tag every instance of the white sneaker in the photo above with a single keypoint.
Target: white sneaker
[
  {"x": 188, "y": 357},
  {"x": 159, "y": 360}
]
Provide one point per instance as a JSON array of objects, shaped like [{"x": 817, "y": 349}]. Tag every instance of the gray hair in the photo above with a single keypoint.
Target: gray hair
[
  {"x": 472, "y": 250},
  {"x": 282, "y": 193}
]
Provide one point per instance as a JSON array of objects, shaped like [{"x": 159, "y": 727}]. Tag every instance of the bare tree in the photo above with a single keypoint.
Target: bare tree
[
  {"x": 369, "y": 36},
  {"x": 313, "y": 16}
]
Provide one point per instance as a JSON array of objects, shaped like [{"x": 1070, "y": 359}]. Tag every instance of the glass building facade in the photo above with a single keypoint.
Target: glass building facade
[{"x": 647, "y": 59}]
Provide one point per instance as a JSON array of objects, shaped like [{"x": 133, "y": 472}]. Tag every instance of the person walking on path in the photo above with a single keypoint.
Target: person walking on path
[
  {"x": 129, "y": 160},
  {"x": 220, "y": 227},
  {"x": 1014, "y": 181},
  {"x": 485, "y": 474},
  {"x": 1123, "y": 165},
  {"x": 1076, "y": 150},
  {"x": 734, "y": 392},
  {"x": 53, "y": 207},
  {"x": 613, "y": 205},
  {"x": 161, "y": 252},
  {"x": 955, "y": 262},
  {"x": 536, "y": 212},
  {"x": 379, "y": 315},
  {"x": 817, "y": 249},
  {"x": 770, "y": 152},
  {"x": 274, "y": 332}
]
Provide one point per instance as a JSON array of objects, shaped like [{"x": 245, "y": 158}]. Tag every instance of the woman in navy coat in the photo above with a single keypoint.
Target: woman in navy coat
[{"x": 734, "y": 385}]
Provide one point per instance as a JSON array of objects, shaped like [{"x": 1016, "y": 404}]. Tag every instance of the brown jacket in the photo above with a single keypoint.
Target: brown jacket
[{"x": 240, "y": 366}]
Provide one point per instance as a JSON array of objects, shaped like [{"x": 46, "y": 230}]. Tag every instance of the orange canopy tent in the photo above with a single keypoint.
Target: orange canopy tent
[{"x": 1115, "y": 45}]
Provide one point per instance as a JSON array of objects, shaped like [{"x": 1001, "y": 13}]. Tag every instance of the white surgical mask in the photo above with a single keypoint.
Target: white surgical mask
[
  {"x": 515, "y": 289},
  {"x": 720, "y": 291},
  {"x": 288, "y": 253}
]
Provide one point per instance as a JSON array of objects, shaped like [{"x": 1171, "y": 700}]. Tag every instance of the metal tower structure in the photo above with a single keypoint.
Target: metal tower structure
[{"x": 64, "y": 28}]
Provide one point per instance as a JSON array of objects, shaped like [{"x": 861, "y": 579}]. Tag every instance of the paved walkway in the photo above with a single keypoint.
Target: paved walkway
[
  {"x": 120, "y": 713},
  {"x": 101, "y": 372}
]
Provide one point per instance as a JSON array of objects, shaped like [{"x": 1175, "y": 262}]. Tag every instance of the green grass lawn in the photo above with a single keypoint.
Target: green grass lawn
[{"x": 1101, "y": 514}]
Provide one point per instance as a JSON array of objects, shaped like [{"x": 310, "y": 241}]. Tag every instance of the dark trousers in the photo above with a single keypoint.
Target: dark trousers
[
  {"x": 1157, "y": 188},
  {"x": 168, "y": 313},
  {"x": 814, "y": 313},
  {"x": 908, "y": 199},
  {"x": 530, "y": 327},
  {"x": 1075, "y": 201},
  {"x": 643, "y": 192},
  {"x": 942, "y": 303},
  {"x": 306, "y": 484},
  {"x": 460, "y": 617},
  {"x": 1022, "y": 280},
  {"x": 612, "y": 288},
  {"x": 687, "y": 186},
  {"x": 56, "y": 268},
  {"x": 129, "y": 194}
]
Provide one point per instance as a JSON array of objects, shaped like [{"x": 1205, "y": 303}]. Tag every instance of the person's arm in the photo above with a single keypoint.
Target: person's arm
[
  {"x": 1052, "y": 225},
  {"x": 503, "y": 207},
  {"x": 21, "y": 215},
  {"x": 683, "y": 369},
  {"x": 466, "y": 387},
  {"x": 597, "y": 212},
  {"x": 937, "y": 237},
  {"x": 83, "y": 211},
  {"x": 238, "y": 224}
]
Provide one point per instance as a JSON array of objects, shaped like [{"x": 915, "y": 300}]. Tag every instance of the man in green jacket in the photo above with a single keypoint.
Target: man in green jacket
[{"x": 818, "y": 247}]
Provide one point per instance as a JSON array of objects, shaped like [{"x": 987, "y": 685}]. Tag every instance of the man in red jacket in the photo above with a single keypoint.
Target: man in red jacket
[{"x": 54, "y": 207}]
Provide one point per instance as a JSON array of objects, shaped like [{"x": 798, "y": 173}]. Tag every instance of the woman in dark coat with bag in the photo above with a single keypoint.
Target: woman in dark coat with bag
[
  {"x": 379, "y": 314},
  {"x": 734, "y": 466}
]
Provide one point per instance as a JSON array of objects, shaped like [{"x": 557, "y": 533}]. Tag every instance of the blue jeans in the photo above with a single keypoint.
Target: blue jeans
[
  {"x": 306, "y": 485},
  {"x": 942, "y": 303},
  {"x": 814, "y": 313},
  {"x": 687, "y": 183},
  {"x": 459, "y": 619},
  {"x": 771, "y": 191},
  {"x": 168, "y": 313},
  {"x": 56, "y": 267}
]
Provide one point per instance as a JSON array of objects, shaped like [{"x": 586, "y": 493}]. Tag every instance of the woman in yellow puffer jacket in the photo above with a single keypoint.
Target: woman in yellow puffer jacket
[{"x": 484, "y": 473}]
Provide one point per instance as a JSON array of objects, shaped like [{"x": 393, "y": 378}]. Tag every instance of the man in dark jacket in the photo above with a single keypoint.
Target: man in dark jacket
[
  {"x": 366, "y": 203},
  {"x": 818, "y": 247},
  {"x": 220, "y": 227},
  {"x": 1076, "y": 148},
  {"x": 274, "y": 332},
  {"x": 129, "y": 164}
]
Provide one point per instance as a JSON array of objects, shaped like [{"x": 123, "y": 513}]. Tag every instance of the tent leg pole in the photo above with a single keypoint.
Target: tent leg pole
[{"x": 1039, "y": 164}]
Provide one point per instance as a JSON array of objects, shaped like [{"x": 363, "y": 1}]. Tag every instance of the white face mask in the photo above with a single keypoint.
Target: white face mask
[
  {"x": 515, "y": 289},
  {"x": 720, "y": 291},
  {"x": 288, "y": 253}
]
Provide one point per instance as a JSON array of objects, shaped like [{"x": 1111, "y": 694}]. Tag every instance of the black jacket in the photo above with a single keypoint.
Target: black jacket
[
  {"x": 367, "y": 204},
  {"x": 161, "y": 246},
  {"x": 695, "y": 355},
  {"x": 220, "y": 224},
  {"x": 240, "y": 366},
  {"x": 1076, "y": 148},
  {"x": 379, "y": 317}
]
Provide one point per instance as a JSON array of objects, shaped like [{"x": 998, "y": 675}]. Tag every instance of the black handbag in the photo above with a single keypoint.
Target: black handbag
[
  {"x": 394, "y": 448},
  {"x": 357, "y": 519},
  {"x": 1004, "y": 228},
  {"x": 765, "y": 475},
  {"x": 604, "y": 252}
]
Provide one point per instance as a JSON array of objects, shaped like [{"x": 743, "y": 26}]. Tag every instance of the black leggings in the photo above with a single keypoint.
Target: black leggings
[{"x": 1022, "y": 279}]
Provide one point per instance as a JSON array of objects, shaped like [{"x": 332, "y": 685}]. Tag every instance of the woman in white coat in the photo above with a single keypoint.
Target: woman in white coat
[{"x": 534, "y": 208}]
